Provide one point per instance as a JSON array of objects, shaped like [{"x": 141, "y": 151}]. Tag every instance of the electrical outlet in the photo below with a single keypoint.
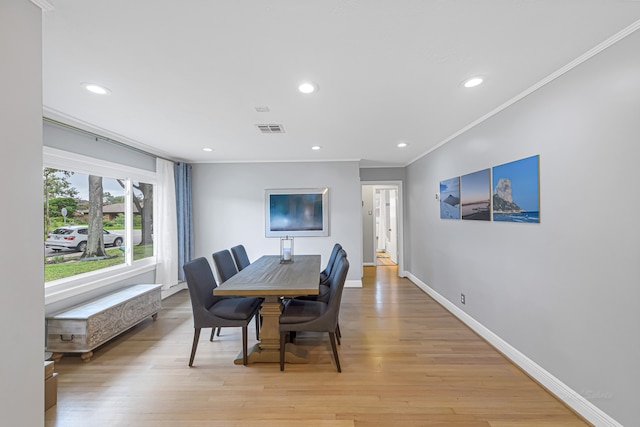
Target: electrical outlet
[{"x": 462, "y": 298}]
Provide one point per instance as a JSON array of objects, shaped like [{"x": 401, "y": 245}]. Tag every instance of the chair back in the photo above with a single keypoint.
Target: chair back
[
  {"x": 201, "y": 284},
  {"x": 326, "y": 273},
  {"x": 240, "y": 256},
  {"x": 224, "y": 264},
  {"x": 336, "y": 284}
]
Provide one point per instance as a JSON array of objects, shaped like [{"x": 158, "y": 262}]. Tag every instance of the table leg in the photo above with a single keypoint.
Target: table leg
[{"x": 268, "y": 350}]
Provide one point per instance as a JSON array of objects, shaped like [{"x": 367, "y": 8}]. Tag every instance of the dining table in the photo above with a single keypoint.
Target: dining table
[{"x": 275, "y": 280}]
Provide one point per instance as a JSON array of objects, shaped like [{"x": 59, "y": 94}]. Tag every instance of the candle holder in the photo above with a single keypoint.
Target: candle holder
[{"x": 286, "y": 250}]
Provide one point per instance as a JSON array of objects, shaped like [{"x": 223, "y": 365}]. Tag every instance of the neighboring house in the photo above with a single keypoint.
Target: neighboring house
[{"x": 109, "y": 212}]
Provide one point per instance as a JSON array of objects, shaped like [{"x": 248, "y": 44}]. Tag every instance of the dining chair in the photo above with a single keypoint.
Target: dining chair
[
  {"x": 240, "y": 256},
  {"x": 225, "y": 265},
  {"x": 324, "y": 274},
  {"x": 226, "y": 268},
  {"x": 316, "y": 316},
  {"x": 211, "y": 311},
  {"x": 324, "y": 291}
]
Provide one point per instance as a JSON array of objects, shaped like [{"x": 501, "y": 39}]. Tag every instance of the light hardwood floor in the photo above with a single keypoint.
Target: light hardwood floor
[
  {"x": 406, "y": 361},
  {"x": 383, "y": 259}
]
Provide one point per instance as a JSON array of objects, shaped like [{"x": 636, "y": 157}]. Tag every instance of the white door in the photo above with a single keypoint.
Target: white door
[
  {"x": 381, "y": 220},
  {"x": 392, "y": 242}
]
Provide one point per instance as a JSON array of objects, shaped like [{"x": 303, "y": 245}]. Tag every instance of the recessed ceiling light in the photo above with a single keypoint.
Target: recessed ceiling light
[
  {"x": 473, "y": 82},
  {"x": 316, "y": 147},
  {"x": 97, "y": 89},
  {"x": 402, "y": 144},
  {"x": 308, "y": 87},
  {"x": 207, "y": 149}
]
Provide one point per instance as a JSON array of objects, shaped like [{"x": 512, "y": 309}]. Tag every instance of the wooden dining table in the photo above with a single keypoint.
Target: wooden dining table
[{"x": 271, "y": 279}]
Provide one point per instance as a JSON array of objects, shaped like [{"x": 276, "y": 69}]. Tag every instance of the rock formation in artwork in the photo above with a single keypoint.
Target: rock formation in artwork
[
  {"x": 451, "y": 200},
  {"x": 503, "y": 198}
]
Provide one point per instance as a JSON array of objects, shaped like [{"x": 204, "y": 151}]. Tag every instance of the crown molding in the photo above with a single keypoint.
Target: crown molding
[
  {"x": 44, "y": 5},
  {"x": 570, "y": 66}
]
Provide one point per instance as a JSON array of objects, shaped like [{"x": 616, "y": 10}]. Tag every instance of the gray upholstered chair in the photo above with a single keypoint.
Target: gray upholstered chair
[
  {"x": 226, "y": 268},
  {"x": 324, "y": 274},
  {"x": 316, "y": 316},
  {"x": 323, "y": 291},
  {"x": 225, "y": 265},
  {"x": 211, "y": 311},
  {"x": 324, "y": 288},
  {"x": 240, "y": 256}
]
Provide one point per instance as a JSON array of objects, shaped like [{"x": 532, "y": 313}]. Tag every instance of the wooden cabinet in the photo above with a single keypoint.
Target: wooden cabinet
[{"x": 82, "y": 328}]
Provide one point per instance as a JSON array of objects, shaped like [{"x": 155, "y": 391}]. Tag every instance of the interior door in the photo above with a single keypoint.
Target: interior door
[
  {"x": 381, "y": 218},
  {"x": 392, "y": 242}
]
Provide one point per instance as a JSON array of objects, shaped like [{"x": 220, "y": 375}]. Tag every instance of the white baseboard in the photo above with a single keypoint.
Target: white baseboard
[
  {"x": 368, "y": 264},
  {"x": 173, "y": 290},
  {"x": 570, "y": 397},
  {"x": 353, "y": 284}
]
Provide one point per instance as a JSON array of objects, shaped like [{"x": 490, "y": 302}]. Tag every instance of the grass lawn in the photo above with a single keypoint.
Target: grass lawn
[{"x": 57, "y": 267}]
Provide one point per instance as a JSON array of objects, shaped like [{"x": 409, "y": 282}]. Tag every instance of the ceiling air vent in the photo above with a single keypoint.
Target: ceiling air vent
[{"x": 271, "y": 128}]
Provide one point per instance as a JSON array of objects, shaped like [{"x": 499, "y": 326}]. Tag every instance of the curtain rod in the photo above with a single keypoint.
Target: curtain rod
[{"x": 107, "y": 139}]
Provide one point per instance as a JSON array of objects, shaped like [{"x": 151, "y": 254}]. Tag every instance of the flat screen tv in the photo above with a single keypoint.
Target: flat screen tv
[{"x": 300, "y": 212}]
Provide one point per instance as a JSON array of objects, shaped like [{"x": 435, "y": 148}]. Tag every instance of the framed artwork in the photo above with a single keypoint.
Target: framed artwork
[
  {"x": 450, "y": 198},
  {"x": 516, "y": 191},
  {"x": 475, "y": 196},
  {"x": 297, "y": 212}
]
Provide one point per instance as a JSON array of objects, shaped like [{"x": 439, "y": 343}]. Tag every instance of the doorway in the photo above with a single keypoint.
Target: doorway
[
  {"x": 386, "y": 202},
  {"x": 382, "y": 224}
]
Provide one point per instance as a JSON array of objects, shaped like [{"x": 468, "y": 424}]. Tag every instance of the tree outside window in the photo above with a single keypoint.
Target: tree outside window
[
  {"x": 143, "y": 213},
  {"x": 86, "y": 222}
]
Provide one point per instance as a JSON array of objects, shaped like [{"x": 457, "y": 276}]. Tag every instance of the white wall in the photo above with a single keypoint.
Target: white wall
[
  {"x": 22, "y": 304},
  {"x": 228, "y": 208},
  {"x": 563, "y": 292},
  {"x": 383, "y": 174}
]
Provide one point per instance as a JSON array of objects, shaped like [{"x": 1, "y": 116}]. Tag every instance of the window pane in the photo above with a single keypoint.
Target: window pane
[
  {"x": 142, "y": 220},
  {"x": 71, "y": 248}
]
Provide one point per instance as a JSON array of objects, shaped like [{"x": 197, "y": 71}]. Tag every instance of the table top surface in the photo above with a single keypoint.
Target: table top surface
[{"x": 267, "y": 277}]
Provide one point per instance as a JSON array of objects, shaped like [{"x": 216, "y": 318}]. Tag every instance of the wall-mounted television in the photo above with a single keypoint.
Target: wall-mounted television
[{"x": 297, "y": 212}]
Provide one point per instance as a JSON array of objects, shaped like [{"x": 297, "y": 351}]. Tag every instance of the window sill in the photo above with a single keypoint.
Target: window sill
[{"x": 59, "y": 290}]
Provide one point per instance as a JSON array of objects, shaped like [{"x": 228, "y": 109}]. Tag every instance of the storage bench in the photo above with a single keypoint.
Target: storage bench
[{"x": 84, "y": 327}]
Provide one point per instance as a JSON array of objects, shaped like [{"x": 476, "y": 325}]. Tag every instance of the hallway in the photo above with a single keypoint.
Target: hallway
[{"x": 383, "y": 259}]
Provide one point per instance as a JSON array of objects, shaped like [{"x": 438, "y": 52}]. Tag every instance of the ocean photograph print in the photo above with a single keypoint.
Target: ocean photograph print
[
  {"x": 450, "y": 198},
  {"x": 475, "y": 192},
  {"x": 516, "y": 191}
]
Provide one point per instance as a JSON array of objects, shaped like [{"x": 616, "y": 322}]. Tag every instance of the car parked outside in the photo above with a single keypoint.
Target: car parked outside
[{"x": 75, "y": 237}]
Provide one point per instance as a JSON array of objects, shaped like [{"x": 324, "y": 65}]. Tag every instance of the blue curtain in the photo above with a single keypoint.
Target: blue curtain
[{"x": 185, "y": 216}]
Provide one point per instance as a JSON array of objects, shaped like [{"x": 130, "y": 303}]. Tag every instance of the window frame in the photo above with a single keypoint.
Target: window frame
[{"x": 57, "y": 290}]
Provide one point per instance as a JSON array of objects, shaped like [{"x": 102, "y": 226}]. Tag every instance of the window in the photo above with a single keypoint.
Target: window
[
  {"x": 98, "y": 218},
  {"x": 143, "y": 220}
]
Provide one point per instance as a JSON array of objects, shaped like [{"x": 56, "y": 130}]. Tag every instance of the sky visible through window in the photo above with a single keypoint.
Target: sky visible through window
[{"x": 80, "y": 182}]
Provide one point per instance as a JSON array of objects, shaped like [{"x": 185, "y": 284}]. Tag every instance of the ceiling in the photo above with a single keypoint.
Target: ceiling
[{"x": 187, "y": 75}]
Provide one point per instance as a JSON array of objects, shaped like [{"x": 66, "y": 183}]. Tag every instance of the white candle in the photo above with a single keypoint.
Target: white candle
[{"x": 286, "y": 255}]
